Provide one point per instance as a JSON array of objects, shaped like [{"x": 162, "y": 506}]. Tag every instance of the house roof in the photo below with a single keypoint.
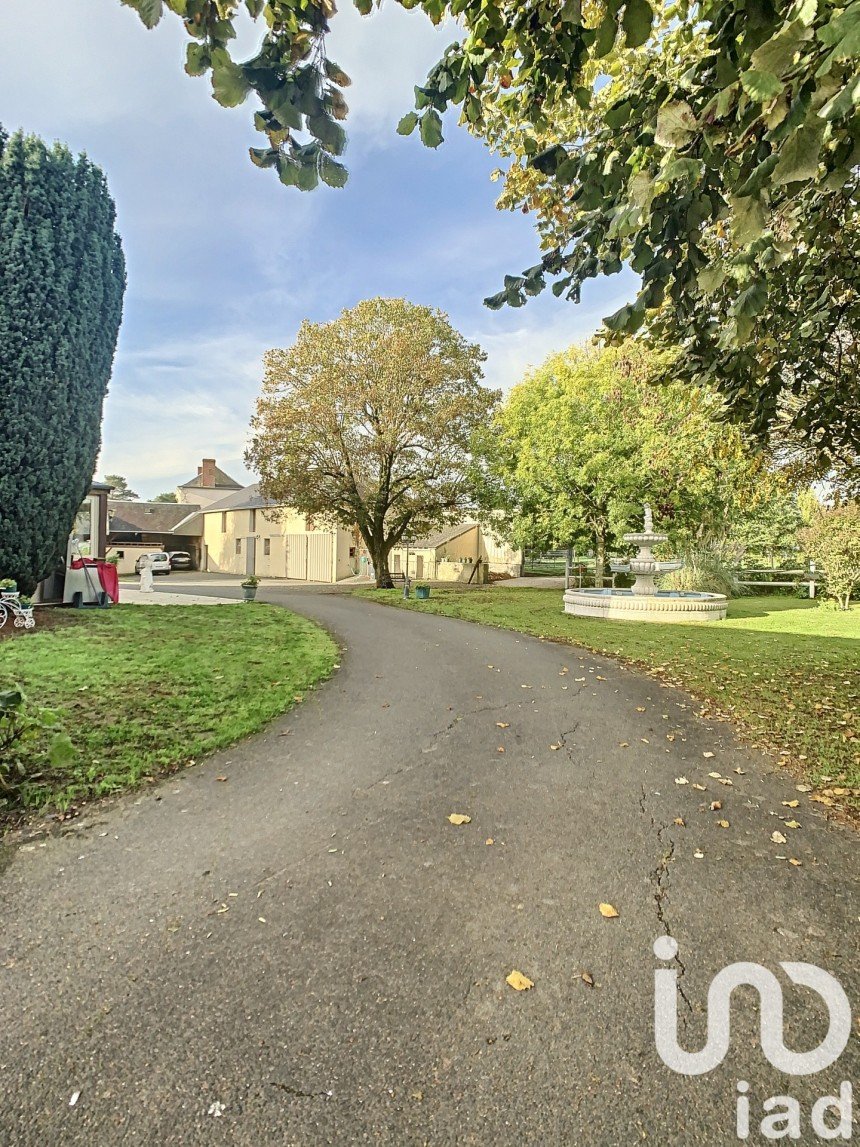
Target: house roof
[
  {"x": 222, "y": 481},
  {"x": 151, "y": 518},
  {"x": 434, "y": 541},
  {"x": 248, "y": 498}
]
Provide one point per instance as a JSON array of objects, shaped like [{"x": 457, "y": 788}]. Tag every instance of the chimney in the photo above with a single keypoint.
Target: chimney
[{"x": 207, "y": 472}]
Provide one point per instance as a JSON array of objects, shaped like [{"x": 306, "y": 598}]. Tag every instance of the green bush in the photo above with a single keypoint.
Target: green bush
[
  {"x": 30, "y": 738},
  {"x": 703, "y": 572}
]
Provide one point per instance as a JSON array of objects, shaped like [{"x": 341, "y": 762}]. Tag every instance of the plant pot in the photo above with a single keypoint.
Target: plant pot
[
  {"x": 422, "y": 592},
  {"x": 249, "y": 591}
]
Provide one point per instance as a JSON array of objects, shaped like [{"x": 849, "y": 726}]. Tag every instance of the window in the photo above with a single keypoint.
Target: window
[
  {"x": 238, "y": 545},
  {"x": 267, "y": 547},
  {"x": 252, "y": 521},
  {"x": 224, "y": 522}
]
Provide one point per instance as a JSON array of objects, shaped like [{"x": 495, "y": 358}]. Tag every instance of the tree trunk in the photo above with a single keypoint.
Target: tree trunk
[
  {"x": 599, "y": 557},
  {"x": 379, "y": 553}
]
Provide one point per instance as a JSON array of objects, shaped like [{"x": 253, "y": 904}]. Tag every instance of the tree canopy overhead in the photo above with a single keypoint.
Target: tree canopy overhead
[
  {"x": 713, "y": 144},
  {"x": 367, "y": 421}
]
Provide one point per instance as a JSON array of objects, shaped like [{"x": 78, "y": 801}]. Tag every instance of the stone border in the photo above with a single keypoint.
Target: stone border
[{"x": 632, "y": 607}]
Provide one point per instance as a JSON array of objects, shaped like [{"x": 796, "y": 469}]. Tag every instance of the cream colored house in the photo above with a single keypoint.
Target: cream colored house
[
  {"x": 209, "y": 487},
  {"x": 245, "y": 534},
  {"x": 463, "y": 553}
]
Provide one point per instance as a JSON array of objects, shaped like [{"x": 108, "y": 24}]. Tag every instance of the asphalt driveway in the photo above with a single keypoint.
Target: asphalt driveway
[{"x": 290, "y": 943}]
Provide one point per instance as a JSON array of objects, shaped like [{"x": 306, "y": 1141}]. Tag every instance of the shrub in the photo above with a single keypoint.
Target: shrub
[
  {"x": 28, "y": 734},
  {"x": 833, "y": 543},
  {"x": 704, "y": 572}
]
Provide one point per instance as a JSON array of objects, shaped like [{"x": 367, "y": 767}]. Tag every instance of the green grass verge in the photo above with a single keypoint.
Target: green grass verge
[
  {"x": 784, "y": 670},
  {"x": 143, "y": 691}
]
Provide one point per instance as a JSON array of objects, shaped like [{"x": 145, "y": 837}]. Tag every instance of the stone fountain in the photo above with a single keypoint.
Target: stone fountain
[{"x": 644, "y": 602}]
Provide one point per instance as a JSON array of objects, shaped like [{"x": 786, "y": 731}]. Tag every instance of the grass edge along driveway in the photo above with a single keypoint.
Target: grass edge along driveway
[
  {"x": 785, "y": 672},
  {"x": 143, "y": 691}
]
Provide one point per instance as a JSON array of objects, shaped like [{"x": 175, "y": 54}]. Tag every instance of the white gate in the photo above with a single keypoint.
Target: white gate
[
  {"x": 297, "y": 556},
  {"x": 319, "y": 557}
]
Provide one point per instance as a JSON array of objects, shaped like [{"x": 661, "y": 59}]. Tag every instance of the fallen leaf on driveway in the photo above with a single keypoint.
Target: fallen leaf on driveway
[
  {"x": 777, "y": 838},
  {"x": 741, "y": 772},
  {"x": 790, "y": 804},
  {"x": 723, "y": 823},
  {"x": 587, "y": 978},
  {"x": 608, "y": 911},
  {"x": 804, "y": 788},
  {"x": 221, "y": 778},
  {"x": 701, "y": 788},
  {"x": 699, "y": 855},
  {"x": 518, "y": 981},
  {"x": 500, "y": 749},
  {"x": 716, "y": 776},
  {"x": 681, "y": 781},
  {"x": 640, "y": 708},
  {"x": 489, "y": 840},
  {"x": 623, "y": 744},
  {"x": 822, "y": 800},
  {"x": 459, "y": 818},
  {"x": 792, "y": 824},
  {"x": 708, "y": 755},
  {"x": 797, "y": 863},
  {"x": 555, "y": 747},
  {"x": 599, "y": 678},
  {"x": 680, "y": 822},
  {"x": 716, "y": 806},
  {"x": 726, "y": 781},
  {"x": 503, "y": 724}
]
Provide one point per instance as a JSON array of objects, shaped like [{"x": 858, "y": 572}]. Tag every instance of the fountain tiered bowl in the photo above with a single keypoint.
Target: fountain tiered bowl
[{"x": 644, "y": 602}]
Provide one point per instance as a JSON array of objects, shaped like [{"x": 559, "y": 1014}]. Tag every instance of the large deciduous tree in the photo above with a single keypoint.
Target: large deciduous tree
[
  {"x": 587, "y": 438},
  {"x": 366, "y": 421},
  {"x": 62, "y": 278},
  {"x": 120, "y": 489}
]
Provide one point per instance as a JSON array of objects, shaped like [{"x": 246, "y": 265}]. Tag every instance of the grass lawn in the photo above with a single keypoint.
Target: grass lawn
[
  {"x": 144, "y": 690},
  {"x": 785, "y": 671}
]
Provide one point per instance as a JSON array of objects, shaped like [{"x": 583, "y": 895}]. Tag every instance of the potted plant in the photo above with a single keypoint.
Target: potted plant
[
  {"x": 422, "y": 591},
  {"x": 8, "y": 587},
  {"x": 249, "y": 587}
]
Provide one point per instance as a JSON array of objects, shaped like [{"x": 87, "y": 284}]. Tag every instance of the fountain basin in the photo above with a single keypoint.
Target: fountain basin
[{"x": 664, "y": 605}]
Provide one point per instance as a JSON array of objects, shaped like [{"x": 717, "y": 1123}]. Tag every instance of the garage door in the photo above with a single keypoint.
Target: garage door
[
  {"x": 319, "y": 557},
  {"x": 297, "y": 556}
]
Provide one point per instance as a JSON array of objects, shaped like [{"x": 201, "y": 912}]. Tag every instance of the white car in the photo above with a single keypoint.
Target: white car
[{"x": 158, "y": 560}]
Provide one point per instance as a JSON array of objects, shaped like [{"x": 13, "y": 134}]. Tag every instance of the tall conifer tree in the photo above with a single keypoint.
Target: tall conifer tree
[{"x": 62, "y": 279}]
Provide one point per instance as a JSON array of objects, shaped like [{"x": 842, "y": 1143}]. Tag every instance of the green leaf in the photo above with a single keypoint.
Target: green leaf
[
  {"x": 675, "y": 124},
  {"x": 150, "y": 11},
  {"x": 332, "y": 172},
  {"x": 798, "y": 158},
  {"x": 336, "y": 74},
  {"x": 844, "y": 102},
  {"x": 264, "y": 156},
  {"x": 636, "y": 22},
  {"x": 365, "y": 7},
  {"x": 756, "y": 181},
  {"x": 255, "y": 7},
  {"x": 605, "y": 40},
  {"x": 776, "y": 55},
  {"x": 748, "y": 220},
  {"x": 408, "y": 124},
  {"x": 197, "y": 59},
  {"x": 628, "y": 319},
  {"x": 751, "y": 301},
  {"x": 761, "y": 86},
  {"x": 62, "y": 751},
  {"x": 330, "y": 134},
  {"x": 431, "y": 128},
  {"x": 229, "y": 86}
]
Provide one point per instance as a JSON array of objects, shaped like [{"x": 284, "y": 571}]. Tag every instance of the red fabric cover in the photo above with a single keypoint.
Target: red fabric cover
[{"x": 108, "y": 577}]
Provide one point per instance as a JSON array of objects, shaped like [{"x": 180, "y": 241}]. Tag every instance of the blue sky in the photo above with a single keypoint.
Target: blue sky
[{"x": 224, "y": 262}]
